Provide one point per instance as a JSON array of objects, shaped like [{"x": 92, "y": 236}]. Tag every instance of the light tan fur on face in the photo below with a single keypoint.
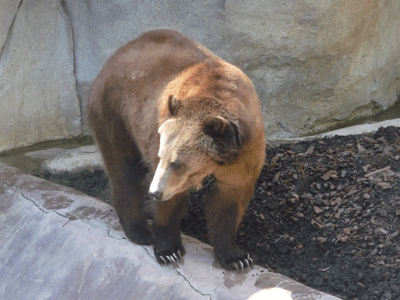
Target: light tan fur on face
[{"x": 178, "y": 170}]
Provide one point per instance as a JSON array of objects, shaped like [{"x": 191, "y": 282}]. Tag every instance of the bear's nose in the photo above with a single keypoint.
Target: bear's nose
[{"x": 156, "y": 195}]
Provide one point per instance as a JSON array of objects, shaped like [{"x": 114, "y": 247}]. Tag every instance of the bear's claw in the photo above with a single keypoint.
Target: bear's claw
[
  {"x": 173, "y": 258},
  {"x": 240, "y": 265}
]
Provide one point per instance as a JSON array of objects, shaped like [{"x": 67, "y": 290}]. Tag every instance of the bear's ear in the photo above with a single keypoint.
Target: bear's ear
[
  {"x": 173, "y": 105},
  {"x": 225, "y": 134},
  {"x": 216, "y": 126}
]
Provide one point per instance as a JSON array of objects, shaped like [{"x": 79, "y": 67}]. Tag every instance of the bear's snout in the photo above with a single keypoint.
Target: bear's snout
[
  {"x": 159, "y": 182},
  {"x": 156, "y": 195}
]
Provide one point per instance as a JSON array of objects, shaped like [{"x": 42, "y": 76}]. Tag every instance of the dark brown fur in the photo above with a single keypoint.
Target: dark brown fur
[{"x": 163, "y": 75}]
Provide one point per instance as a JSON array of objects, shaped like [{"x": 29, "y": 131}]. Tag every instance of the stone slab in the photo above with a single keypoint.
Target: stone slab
[
  {"x": 57, "y": 243},
  {"x": 315, "y": 64},
  {"x": 351, "y": 130},
  {"x": 74, "y": 160},
  {"x": 39, "y": 100}
]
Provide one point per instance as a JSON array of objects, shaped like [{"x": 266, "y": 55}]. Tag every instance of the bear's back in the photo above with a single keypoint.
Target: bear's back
[{"x": 157, "y": 55}]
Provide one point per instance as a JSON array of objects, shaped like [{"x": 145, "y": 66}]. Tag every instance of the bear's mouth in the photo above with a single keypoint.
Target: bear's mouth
[{"x": 161, "y": 196}]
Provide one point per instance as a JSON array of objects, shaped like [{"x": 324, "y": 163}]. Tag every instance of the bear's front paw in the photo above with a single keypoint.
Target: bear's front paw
[
  {"x": 235, "y": 260},
  {"x": 170, "y": 256}
]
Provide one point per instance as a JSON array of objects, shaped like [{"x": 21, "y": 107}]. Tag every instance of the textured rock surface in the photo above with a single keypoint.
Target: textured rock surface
[
  {"x": 315, "y": 64},
  {"x": 37, "y": 84},
  {"x": 75, "y": 160},
  {"x": 56, "y": 243},
  {"x": 8, "y": 11},
  {"x": 318, "y": 63}
]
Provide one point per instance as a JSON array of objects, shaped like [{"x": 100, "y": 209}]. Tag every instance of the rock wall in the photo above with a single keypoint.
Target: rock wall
[
  {"x": 38, "y": 93},
  {"x": 315, "y": 64}
]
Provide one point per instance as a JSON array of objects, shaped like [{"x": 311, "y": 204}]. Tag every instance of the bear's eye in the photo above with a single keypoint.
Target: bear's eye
[{"x": 176, "y": 165}]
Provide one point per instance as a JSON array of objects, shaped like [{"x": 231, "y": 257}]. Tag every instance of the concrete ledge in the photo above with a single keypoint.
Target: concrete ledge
[
  {"x": 352, "y": 130},
  {"x": 57, "y": 243}
]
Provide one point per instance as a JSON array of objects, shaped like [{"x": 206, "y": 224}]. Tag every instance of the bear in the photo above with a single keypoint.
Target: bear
[{"x": 166, "y": 113}]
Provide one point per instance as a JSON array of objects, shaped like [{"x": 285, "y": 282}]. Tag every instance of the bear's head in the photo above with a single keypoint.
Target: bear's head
[{"x": 195, "y": 142}]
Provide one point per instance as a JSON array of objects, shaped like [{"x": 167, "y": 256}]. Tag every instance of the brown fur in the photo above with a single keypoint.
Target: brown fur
[{"x": 214, "y": 127}]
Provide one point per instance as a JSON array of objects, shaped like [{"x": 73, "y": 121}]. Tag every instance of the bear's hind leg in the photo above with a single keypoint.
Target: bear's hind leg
[
  {"x": 168, "y": 246},
  {"x": 129, "y": 193},
  {"x": 128, "y": 176},
  {"x": 224, "y": 209}
]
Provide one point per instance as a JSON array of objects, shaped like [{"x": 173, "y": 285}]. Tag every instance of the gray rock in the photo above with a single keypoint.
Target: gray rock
[
  {"x": 74, "y": 160},
  {"x": 8, "y": 11},
  {"x": 45, "y": 154},
  {"x": 315, "y": 64},
  {"x": 37, "y": 84}
]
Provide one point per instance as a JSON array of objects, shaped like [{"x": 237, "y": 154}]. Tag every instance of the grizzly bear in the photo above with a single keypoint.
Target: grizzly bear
[{"x": 166, "y": 113}]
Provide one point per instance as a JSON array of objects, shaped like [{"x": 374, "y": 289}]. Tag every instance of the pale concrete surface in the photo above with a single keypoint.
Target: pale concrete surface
[
  {"x": 57, "y": 243},
  {"x": 364, "y": 128},
  {"x": 72, "y": 160},
  {"x": 351, "y": 130}
]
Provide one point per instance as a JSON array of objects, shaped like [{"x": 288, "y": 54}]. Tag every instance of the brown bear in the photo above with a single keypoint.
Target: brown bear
[{"x": 166, "y": 113}]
